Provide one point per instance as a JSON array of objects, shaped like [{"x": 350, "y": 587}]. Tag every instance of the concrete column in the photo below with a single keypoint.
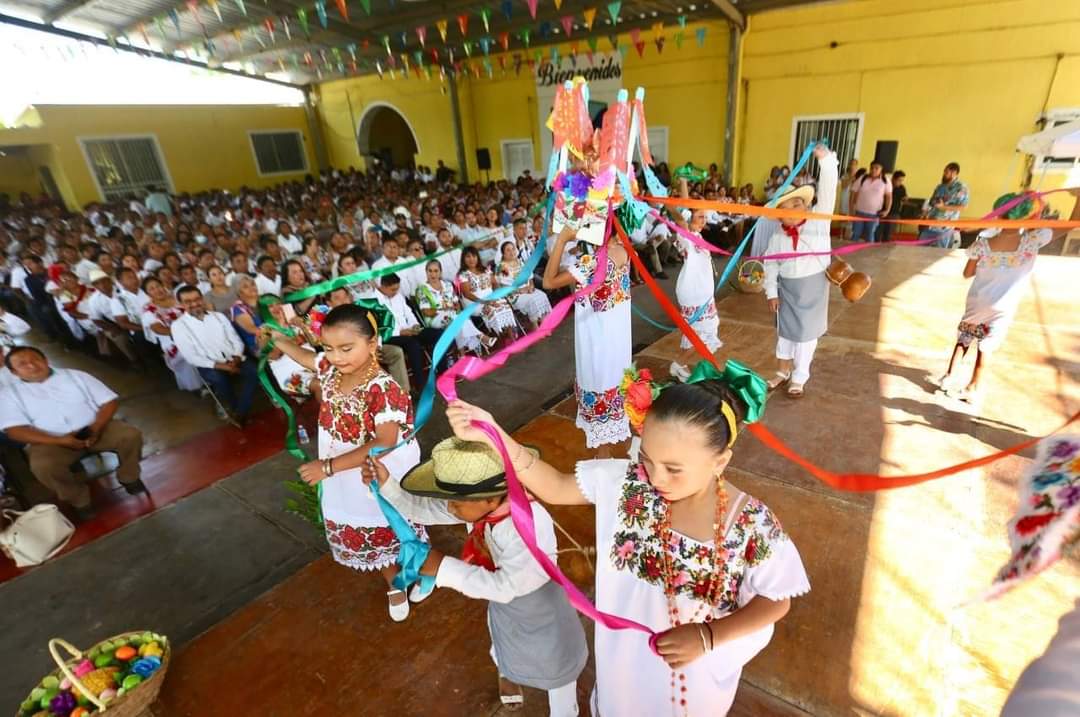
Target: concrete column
[
  {"x": 731, "y": 115},
  {"x": 315, "y": 130},
  {"x": 459, "y": 137}
]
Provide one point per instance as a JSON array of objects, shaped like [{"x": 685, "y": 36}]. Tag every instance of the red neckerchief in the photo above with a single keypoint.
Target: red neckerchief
[
  {"x": 475, "y": 550},
  {"x": 793, "y": 232}
]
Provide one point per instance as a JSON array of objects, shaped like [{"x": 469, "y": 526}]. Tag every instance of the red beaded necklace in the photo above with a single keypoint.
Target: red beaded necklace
[{"x": 708, "y": 600}]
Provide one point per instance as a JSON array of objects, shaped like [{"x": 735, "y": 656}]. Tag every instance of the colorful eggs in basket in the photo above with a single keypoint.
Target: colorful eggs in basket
[
  {"x": 151, "y": 649},
  {"x": 125, "y": 653}
]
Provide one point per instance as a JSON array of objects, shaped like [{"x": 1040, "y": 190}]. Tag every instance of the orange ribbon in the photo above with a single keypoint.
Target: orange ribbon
[
  {"x": 858, "y": 482},
  {"x": 756, "y": 211}
]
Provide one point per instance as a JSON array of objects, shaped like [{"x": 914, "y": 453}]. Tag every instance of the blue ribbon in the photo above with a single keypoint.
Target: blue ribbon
[
  {"x": 414, "y": 551},
  {"x": 734, "y": 260}
]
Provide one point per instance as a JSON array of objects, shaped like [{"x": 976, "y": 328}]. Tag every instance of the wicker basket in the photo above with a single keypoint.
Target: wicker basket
[
  {"x": 744, "y": 278},
  {"x": 130, "y": 704}
]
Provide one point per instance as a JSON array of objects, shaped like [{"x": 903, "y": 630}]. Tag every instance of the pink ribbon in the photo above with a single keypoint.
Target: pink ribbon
[{"x": 472, "y": 368}]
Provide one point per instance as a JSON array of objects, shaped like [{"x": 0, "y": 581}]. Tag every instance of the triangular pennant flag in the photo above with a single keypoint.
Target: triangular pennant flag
[
  {"x": 441, "y": 26},
  {"x": 593, "y": 42},
  {"x": 558, "y": 4},
  {"x": 301, "y": 15},
  {"x": 468, "y": 48},
  {"x": 365, "y": 43},
  {"x": 378, "y": 68},
  {"x": 613, "y": 10},
  {"x": 574, "y": 50},
  {"x": 392, "y": 62},
  {"x": 386, "y": 44},
  {"x": 216, "y": 8},
  {"x": 404, "y": 39},
  {"x": 421, "y": 35},
  {"x": 487, "y": 68},
  {"x": 517, "y": 63},
  {"x": 463, "y": 24},
  {"x": 320, "y": 10},
  {"x": 485, "y": 15},
  {"x": 502, "y": 63},
  {"x": 640, "y": 47},
  {"x": 243, "y": 8},
  {"x": 451, "y": 55},
  {"x": 236, "y": 36},
  {"x": 525, "y": 37},
  {"x": 659, "y": 45},
  {"x": 342, "y": 9},
  {"x": 555, "y": 54},
  {"x": 435, "y": 55},
  {"x": 679, "y": 39},
  {"x": 700, "y": 32},
  {"x": 366, "y": 4},
  {"x": 537, "y": 56},
  {"x": 613, "y": 40},
  {"x": 545, "y": 30},
  {"x": 504, "y": 40},
  {"x": 590, "y": 15},
  {"x": 682, "y": 21},
  {"x": 351, "y": 48},
  {"x": 268, "y": 23},
  {"x": 623, "y": 49},
  {"x": 419, "y": 57},
  {"x": 285, "y": 24},
  {"x": 635, "y": 36},
  {"x": 142, "y": 31},
  {"x": 507, "y": 8},
  {"x": 532, "y": 7},
  {"x": 657, "y": 29},
  {"x": 567, "y": 22},
  {"x": 485, "y": 45}
]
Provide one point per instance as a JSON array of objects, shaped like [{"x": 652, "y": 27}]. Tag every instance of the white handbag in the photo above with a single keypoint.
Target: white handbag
[{"x": 35, "y": 535}]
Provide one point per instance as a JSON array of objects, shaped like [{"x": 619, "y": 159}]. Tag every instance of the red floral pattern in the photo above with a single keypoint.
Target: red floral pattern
[
  {"x": 353, "y": 417},
  {"x": 365, "y": 548}
]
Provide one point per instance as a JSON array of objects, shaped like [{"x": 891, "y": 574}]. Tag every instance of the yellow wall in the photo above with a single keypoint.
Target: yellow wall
[
  {"x": 951, "y": 80},
  {"x": 685, "y": 91},
  {"x": 203, "y": 146},
  {"x": 18, "y": 174}
]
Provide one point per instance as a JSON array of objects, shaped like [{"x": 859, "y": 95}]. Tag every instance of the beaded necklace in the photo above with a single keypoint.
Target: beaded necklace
[
  {"x": 337, "y": 401},
  {"x": 708, "y": 599}
]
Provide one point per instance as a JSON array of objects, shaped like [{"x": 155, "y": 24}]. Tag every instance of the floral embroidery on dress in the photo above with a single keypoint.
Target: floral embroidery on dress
[
  {"x": 968, "y": 333},
  {"x": 482, "y": 285},
  {"x": 353, "y": 417},
  {"x": 751, "y": 540},
  {"x": 987, "y": 258},
  {"x": 614, "y": 290},
  {"x": 1048, "y": 516},
  {"x": 599, "y": 406},
  {"x": 365, "y": 548},
  {"x": 689, "y": 311}
]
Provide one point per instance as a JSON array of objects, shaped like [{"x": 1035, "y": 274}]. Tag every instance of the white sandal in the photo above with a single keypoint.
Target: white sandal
[
  {"x": 779, "y": 380},
  {"x": 399, "y": 612},
  {"x": 795, "y": 390},
  {"x": 512, "y": 702}
]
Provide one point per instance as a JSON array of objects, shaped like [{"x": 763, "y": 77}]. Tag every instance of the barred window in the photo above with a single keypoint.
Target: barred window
[{"x": 279, "y": 152}]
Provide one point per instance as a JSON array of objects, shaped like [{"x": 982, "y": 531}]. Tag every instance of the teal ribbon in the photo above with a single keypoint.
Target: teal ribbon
[
  {"x": 413, "y": 551},
  {"x": 734, "y": 260}
]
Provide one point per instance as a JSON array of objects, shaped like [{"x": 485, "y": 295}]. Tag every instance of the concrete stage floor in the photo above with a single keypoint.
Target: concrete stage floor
[{"x": 880, "y": 633}]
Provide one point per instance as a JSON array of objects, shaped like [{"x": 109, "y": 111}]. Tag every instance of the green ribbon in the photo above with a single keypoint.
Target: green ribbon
[
  {"x": 691, "y": 173},
  {"x": 751, "y": 389}
]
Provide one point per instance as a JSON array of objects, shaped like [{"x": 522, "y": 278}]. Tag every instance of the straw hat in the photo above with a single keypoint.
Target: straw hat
[
  {"x": 459, "y": 470},
  {"x": 805, "y": 192}
]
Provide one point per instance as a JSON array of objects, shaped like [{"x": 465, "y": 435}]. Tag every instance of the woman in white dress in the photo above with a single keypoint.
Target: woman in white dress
[
  {"x": 157, "y": 318},
  {"x": 694, "y": 289},
  {"x": 476, "y": 283},
  {"x": 528, "y": 300},
  {"x": 1000, "y": 261},
  {"x": 602, "y": 345},
  {"x": 658, "y": 525},
  {"x": 439, "y": 304}
]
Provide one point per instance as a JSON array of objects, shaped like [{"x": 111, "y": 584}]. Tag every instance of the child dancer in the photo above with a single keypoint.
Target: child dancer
[
  {"x": 1001, "y": 262},
  {"x": 797, "y": 289},
  {"x": 694, "y": 289},
  {"x": 658, "y": 525},
  {"x": 602, "y": 347},
  {"x": 536, "y": 637},
  {"x": 362, "y": 407},
  {"x": 529, "y": 300}
]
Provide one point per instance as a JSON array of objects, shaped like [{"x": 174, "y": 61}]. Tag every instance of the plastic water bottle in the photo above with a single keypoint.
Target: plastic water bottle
[{"x": 301, "y": 434}]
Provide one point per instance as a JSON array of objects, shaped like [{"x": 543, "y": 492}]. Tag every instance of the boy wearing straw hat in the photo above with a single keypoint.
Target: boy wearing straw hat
[
  {"x": 536, "y": 636},
  {"x": 797, "y": 288}
]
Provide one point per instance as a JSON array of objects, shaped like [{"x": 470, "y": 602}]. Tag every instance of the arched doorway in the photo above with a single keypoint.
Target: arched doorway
[{"x": 383, "y": 132}]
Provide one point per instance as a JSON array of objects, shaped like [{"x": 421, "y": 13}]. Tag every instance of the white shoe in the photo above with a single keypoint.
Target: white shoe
[
  {"x": 679, "y": 372},
  {"x": 418, "y": 595},
  {"x": 398, "y": 613}
]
